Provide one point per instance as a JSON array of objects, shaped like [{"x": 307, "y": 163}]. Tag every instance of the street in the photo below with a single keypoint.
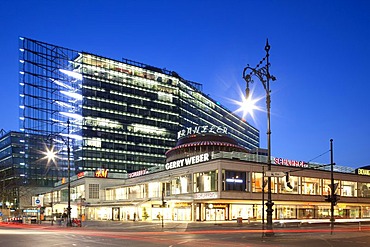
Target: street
[{"x": 141, "y": 235}]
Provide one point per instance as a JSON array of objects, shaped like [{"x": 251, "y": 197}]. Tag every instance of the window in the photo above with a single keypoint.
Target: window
[
  {"x": 94, "y": 191},
  {"x": 257, "y": 183},
  {"x": 364, "y": 190},
  {"x": 310, "y": 186},
  {"x": 326, "y": 188},
  {"x": 292, "y": 189},
  {"x": 205, "y": 181},
  {"x": 181, "y": 185},
  {"x": 349, "y": 188},
  {"x": 286, "y": 212},
  {"x": 234, "y": 180}
]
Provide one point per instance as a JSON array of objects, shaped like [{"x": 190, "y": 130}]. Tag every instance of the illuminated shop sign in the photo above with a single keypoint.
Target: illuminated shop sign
[
  {"x": 187, "y": 161},
  {"x": 102, "y": 173},
  {"x": 207, "y": 195},
  {"x": 201, "y": 130},
  {"x": 363, "y": 172},
  {"x": 286, "y": 162},
  {"x": 80, "y": 175},
  {"x": 234, "y": 180},
  {"x": 137, "y": 173}
]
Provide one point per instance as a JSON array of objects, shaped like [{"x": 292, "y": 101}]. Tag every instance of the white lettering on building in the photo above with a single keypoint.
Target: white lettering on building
[
  {"x": 201, "y": 130},
  {"x": 187, "y": 161},
  {"x": 207, "y": 195},
  {"x": 137, "y": 173}
]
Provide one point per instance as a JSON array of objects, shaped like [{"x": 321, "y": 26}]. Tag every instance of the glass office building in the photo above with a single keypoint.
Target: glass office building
[
  {"x": 18, "y": 179},
  {"x": 118, "y": 115}
]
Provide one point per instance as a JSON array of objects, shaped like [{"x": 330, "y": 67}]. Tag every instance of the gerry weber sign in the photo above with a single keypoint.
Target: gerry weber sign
[
  {"x": 201, "y": 130},
  {"x": 187, "y": 161}
]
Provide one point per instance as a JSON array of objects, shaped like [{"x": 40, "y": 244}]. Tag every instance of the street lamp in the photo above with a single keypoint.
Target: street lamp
[
  {"x": 263, "y": 74},
  {"x": 69, "y": 220},
  {"x": 51, "y": 156}
]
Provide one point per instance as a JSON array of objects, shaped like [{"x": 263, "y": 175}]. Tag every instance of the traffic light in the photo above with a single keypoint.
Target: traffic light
[
  {"x": 333, "y": 199},
  {"x": 336, "y": 198}
]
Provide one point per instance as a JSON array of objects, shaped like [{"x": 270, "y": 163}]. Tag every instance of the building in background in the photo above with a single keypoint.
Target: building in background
[
  {"x": 119, "y": 115},
  {"x": 19, "y": 181}
]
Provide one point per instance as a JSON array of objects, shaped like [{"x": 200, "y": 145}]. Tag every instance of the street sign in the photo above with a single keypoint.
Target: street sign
[
  {"x": 275, "y": 174},
  {"x": 37, "y": 200}
]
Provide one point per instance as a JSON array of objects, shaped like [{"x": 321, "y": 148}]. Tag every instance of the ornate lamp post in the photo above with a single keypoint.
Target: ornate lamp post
[
  {"x": 69, "y": 220},
  {"x": 263, "y": 74}
]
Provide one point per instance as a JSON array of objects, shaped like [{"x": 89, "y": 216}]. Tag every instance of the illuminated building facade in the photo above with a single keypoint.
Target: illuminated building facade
[
  {"x": 123, "y": 115},
  {"x": 211, "y": 178}
]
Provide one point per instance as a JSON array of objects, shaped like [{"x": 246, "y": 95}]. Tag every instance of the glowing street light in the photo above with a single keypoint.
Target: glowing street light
[
  {"x": 51, "y": 155},
  {"x": 264, "y": 76}
]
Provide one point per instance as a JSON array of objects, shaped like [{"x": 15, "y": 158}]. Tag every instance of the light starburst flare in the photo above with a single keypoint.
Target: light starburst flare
[
  {"x": 247, "y": 106},
  {"x": 51, "y": 156}
]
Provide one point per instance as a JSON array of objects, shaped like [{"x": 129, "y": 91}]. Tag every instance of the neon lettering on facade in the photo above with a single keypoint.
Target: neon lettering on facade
[
  {"x": 201, "y": 130},
  {"x": 103, "y": 173},
  {"x": 187, "y": 161},
  {"x": 137, "y": 173},
  {"x": 286, "y": 162},
  {"x": 234, "y": 180}
]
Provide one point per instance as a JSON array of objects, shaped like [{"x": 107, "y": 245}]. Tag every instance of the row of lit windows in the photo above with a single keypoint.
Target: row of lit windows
[
  {"x": 246, "y": 182},
  {"x": 125, "y": 69},
  {"x": 126, "y": 114},
  {"x": 122, "y": 152},
  {"x": 311, "y": 186},
  {"x": 133, "y": 134},
  {"x": 141, "y": 82}
]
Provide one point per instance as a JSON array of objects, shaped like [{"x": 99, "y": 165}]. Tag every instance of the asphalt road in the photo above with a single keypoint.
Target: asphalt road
[{"x": 208, "y": 235}]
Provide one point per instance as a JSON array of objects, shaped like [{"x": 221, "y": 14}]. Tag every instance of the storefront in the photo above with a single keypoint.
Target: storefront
[{"x": 211, "y": 179}]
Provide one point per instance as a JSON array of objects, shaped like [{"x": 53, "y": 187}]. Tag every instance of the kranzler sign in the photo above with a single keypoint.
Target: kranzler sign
[
  {"x": 187, "y": 161},
  {"x": 201, "y": 130}
]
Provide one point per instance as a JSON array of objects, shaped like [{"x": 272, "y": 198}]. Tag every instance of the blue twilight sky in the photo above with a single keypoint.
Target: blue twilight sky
[{"x": 320, "y": 53}]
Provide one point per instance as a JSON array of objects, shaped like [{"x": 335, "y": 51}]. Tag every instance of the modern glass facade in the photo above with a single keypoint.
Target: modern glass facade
[
  {"x": 9, "y": 169},
  {"x": 123, "y": 115},
  {"x": 16, "y": 174}
]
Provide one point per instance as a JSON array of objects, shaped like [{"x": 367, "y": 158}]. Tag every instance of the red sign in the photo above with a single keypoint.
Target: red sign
[
  {"x": 102, "y": 173},
  {"x": 286, "y": 162},
  {"x": 81, "y": 175}
]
